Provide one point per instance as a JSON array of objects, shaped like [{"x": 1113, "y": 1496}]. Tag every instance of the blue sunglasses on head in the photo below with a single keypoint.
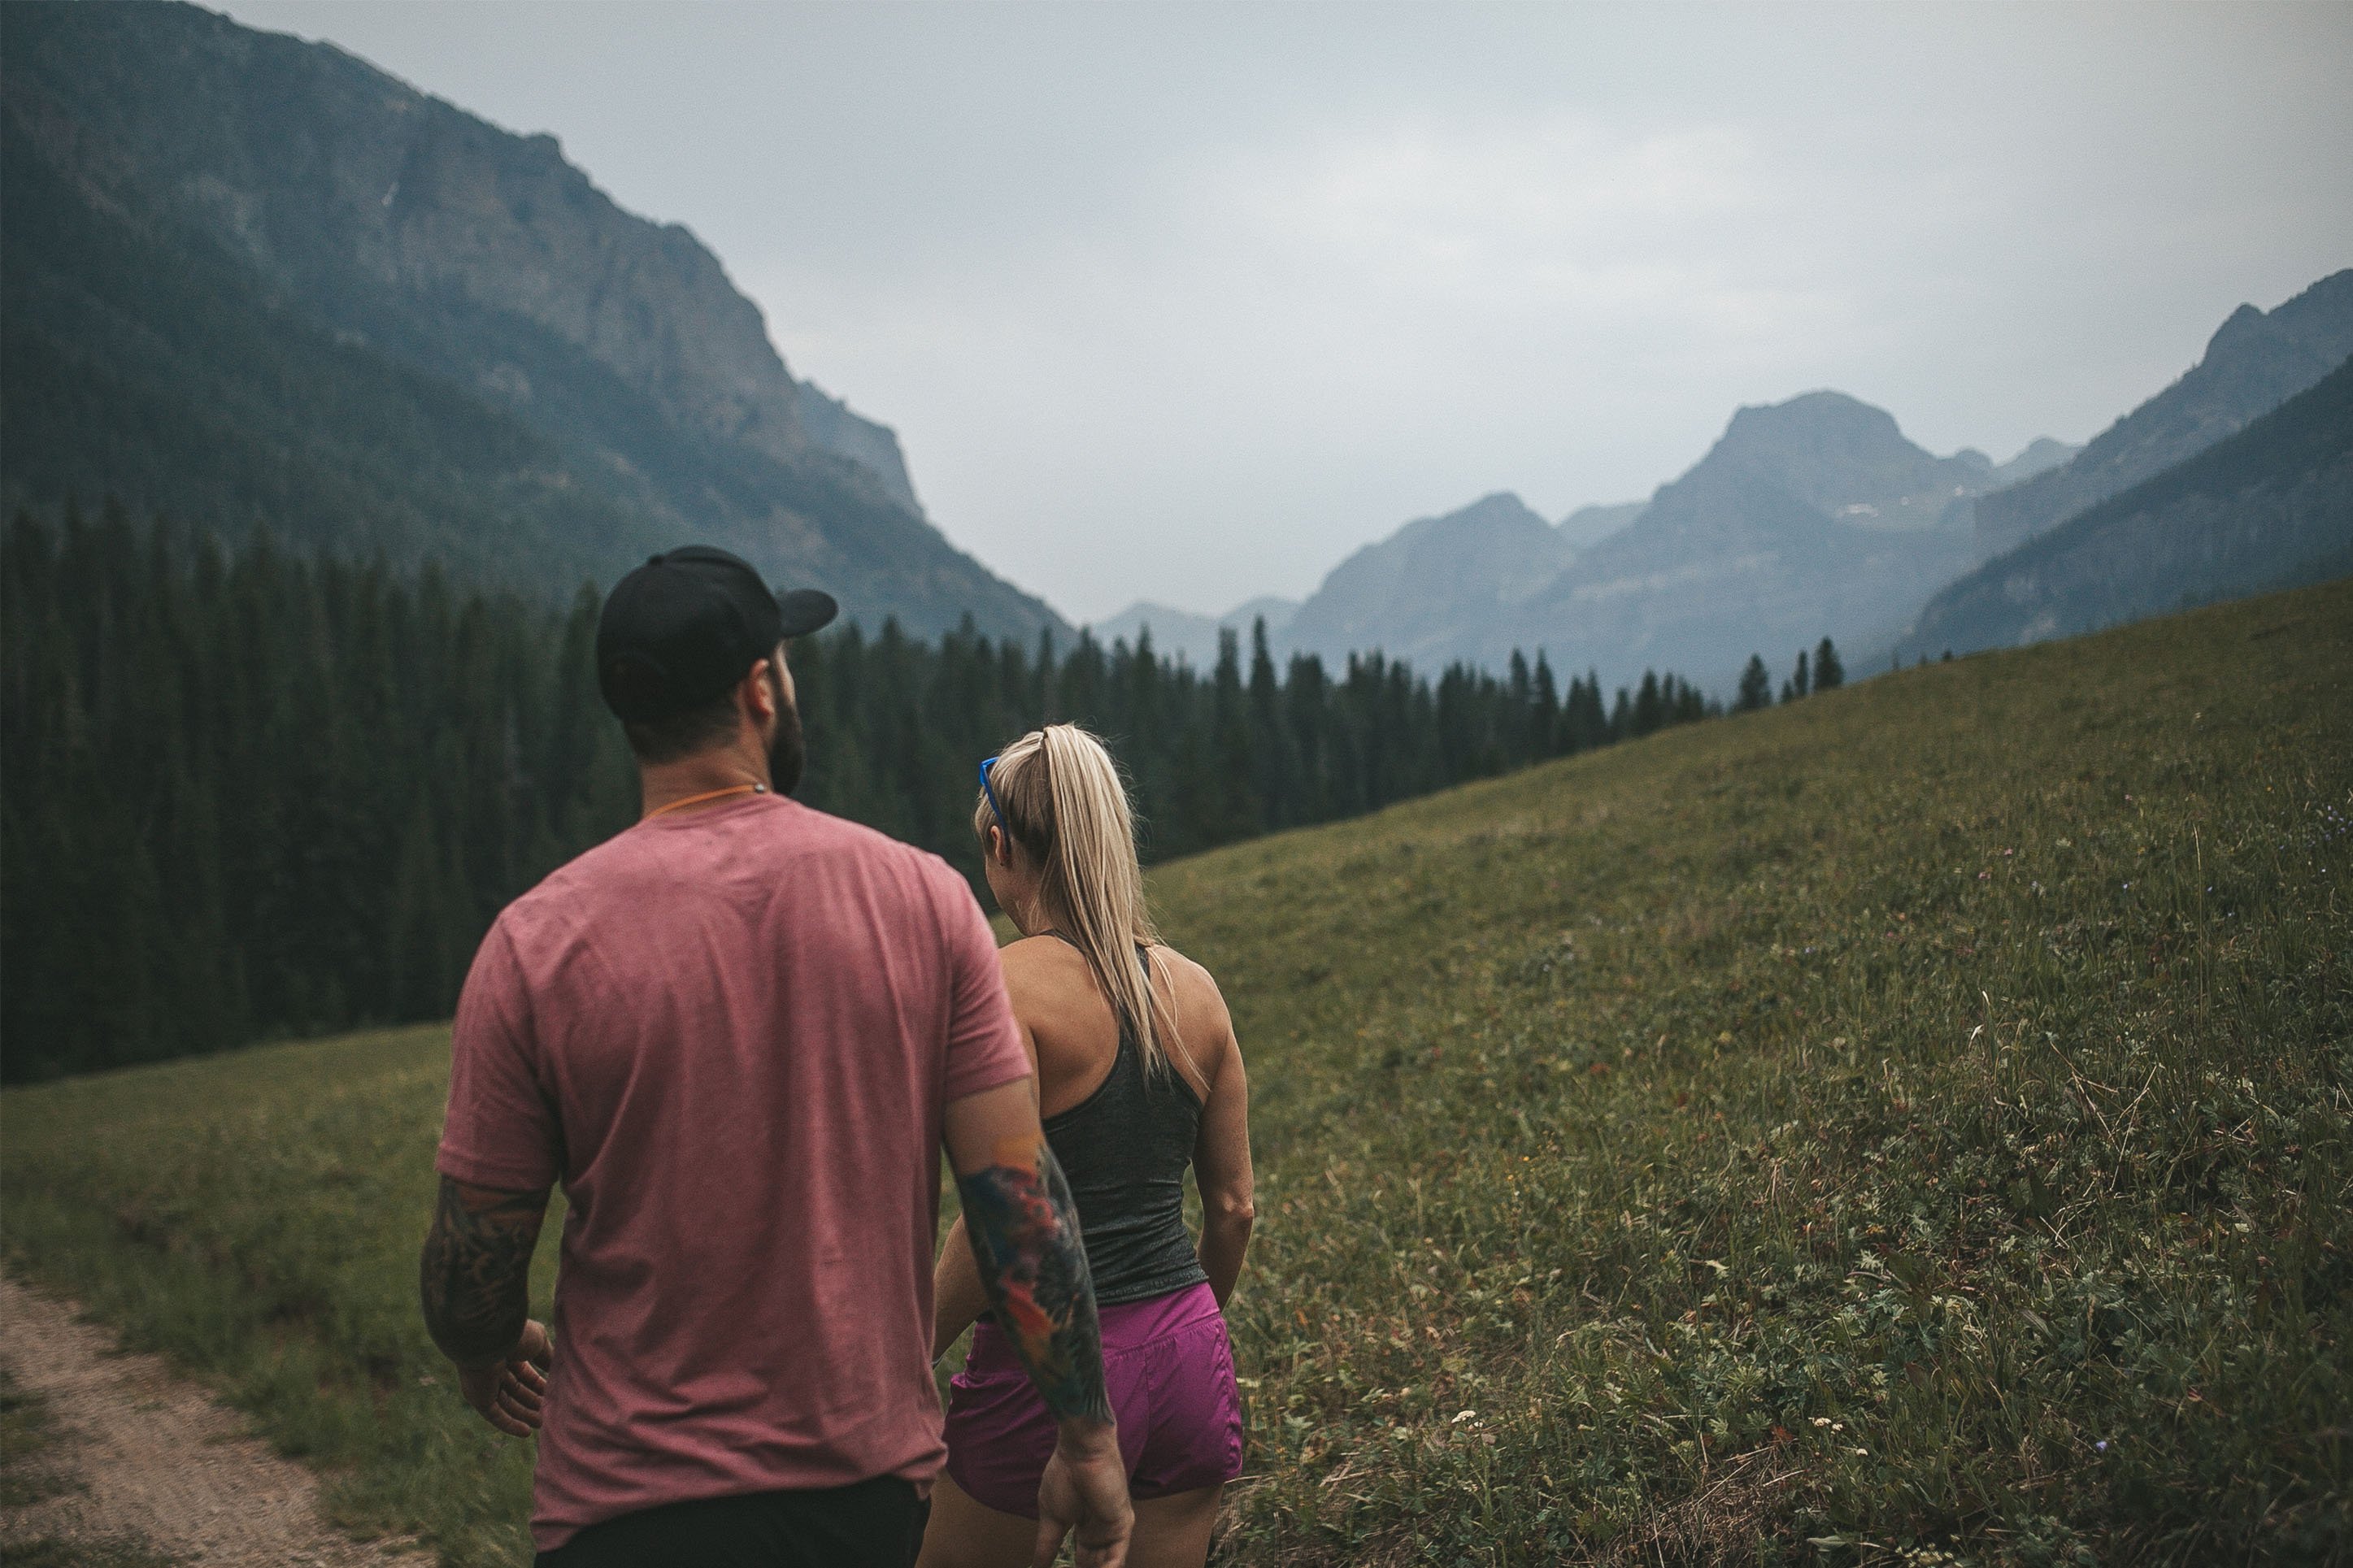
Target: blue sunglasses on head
[{"x": 989, "y": 790}]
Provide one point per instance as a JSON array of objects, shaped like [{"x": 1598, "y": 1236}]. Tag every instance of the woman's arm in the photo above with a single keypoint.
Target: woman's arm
[
  {"x": 1221, "y": 1165},
  {"x": 958, "y": 1298}
]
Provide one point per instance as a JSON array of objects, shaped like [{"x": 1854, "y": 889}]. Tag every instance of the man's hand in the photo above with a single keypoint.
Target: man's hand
[
  {"x": 1084, "y": 1490},
  {"x": 510, "y": 1393},
  {"x": 1023, "y": 1226}
]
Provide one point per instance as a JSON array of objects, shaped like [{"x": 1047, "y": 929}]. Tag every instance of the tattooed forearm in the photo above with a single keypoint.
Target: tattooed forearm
[
  {"x": 1025, "y": 1236},
  {"x": 475, "y": 1275}
]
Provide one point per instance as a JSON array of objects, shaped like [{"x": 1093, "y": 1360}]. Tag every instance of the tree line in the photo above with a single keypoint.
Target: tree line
[
  {"x": 1823, "y": 672},
  {"x": 247, "y": 792}
]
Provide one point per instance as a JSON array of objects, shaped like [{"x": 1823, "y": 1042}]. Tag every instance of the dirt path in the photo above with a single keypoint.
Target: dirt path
[{"x": 158, "y": 1460}]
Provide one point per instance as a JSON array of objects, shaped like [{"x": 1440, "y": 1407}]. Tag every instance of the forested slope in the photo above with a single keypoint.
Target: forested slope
[
  {"x": 264, "y": 791},
  {"x": 2267, "y": 508},
  {"x": 2255, "y": 360},
  {"x": 250, "y": 280}
]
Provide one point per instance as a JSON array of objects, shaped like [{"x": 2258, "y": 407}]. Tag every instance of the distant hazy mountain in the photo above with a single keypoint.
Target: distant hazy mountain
[
  {"x": 1190, "y": 637},
  {"x": 2254, "y": 363},
  {"x": 1425, "y": 591},
  {"x": 252, "y": 279},
  {"x": 2267, "y": 508},
  {"x": 2041, "y": 453},
  {"x": 1590, "y": 525},
  {"x": 1808, "y": 517}
]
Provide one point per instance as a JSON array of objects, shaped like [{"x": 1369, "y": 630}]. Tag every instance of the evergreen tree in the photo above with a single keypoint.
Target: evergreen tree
[
  {"x": 1273, "y": 747},
  {"x": 1545, "y": 732},
  {"x": 1236, "y": 808},
  {"x": 1650, "y": 707},
  {"x": 1799, "y": 682},
  {"x": 1829, "y": 673},
  {"x": 1756, "y": 687}
]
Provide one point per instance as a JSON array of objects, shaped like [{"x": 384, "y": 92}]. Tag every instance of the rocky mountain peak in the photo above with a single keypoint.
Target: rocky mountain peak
[
  {"x": 1817, "y": 418},
  {"x": 1501, "y": 513},
  {"x": 2240, "y": 325},
  {"x": 1842, "y": 456},
  {"x": 1411, "y": 592}
]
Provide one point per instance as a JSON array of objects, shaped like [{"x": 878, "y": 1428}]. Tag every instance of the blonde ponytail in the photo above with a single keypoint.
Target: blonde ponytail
[{"x": 1066, "y": 810}]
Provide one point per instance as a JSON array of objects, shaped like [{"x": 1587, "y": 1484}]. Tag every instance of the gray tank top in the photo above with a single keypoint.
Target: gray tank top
[{"x": 1123, "y": 1150}]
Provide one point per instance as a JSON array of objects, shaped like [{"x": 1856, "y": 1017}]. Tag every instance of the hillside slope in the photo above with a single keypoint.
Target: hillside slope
[
  {"x": 2268, "y": 506},
  {"x": 1914, "y": 1116},
  {"x": 2256, "y": 361},
  {"x": 253, "y": 279}
]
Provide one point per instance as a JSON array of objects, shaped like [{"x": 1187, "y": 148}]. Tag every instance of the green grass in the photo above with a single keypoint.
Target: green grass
[
  {"x": 1913, "y": 1120},
  {"x": 255, "y": 1217},
  {"x": 1910, "y": 1126}
]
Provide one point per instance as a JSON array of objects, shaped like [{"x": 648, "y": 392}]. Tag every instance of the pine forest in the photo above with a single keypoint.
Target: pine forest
[{"x": 250, "y": 793}]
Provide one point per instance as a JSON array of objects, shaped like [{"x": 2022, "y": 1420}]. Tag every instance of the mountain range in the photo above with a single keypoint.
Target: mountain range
[
  {"x": 1806, "y": 516},
  {"x": 1190, "y": 637},
  {"x": 2267, "y": 507},
  {"x": 1816, "y": 517},
  {"x": 1430, "y": 573},
  {"x": 249, "y": 280}
]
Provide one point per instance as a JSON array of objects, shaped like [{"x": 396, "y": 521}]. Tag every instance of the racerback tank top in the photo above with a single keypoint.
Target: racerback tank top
[{"x": 1124, "y": 1149}]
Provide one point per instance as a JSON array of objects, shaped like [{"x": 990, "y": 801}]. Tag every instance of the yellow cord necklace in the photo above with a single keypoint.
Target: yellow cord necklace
[{"x": 713, "y": 794}]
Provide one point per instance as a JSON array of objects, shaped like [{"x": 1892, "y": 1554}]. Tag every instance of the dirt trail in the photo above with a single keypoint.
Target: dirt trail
[{"x": 160, "y": 1459}]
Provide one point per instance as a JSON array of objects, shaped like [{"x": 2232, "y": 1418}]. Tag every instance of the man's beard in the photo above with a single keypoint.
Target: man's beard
[{"x": 787, "y": 752}]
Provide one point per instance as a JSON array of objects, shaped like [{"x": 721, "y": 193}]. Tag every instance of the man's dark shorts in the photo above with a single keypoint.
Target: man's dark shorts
[{"x": 874, "y": 1524}]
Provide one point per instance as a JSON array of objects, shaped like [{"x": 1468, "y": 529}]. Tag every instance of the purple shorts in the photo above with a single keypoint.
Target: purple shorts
[{"x": 1170, "y": 1374}]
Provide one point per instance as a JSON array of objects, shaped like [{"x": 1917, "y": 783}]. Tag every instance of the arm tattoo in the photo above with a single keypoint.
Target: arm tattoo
[
  {"x": 1024, "y": 1228},
  {"x": 475, "y": 1275}
]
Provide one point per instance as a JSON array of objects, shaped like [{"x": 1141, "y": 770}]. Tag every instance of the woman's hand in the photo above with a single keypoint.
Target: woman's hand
[{"x": 512, "y": 1394}]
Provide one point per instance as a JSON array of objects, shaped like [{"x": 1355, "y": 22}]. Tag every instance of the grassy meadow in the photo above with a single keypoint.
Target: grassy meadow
[{"x": 1910, "y": 1126}]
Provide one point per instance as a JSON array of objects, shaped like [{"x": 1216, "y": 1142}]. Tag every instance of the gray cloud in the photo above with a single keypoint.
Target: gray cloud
[{"x": 1188, "y": 302}]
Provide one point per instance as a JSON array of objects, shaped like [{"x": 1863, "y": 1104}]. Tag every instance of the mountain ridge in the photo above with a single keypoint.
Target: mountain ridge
[
  {"x": 337, "y": 203},
  {"x": 1192, "y": 637},
  {"x": 2254, "y": 361},
  {"x": 1809, "y": 518},
  {"x": 1818, "y": 504},
  {"x": 1408, "y": 594},
  {"x": 2270, "y": 506}
]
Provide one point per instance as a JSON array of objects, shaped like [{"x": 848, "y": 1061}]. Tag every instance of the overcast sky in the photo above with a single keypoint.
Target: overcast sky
[{"x": 1188, "y": 302}]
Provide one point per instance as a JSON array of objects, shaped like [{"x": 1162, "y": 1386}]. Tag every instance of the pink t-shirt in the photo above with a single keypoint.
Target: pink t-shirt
[{"x": 730, "y": 1032}]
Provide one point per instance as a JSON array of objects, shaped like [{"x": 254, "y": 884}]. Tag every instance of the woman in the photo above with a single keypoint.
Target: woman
[{"x": 1138, "y": 1077}]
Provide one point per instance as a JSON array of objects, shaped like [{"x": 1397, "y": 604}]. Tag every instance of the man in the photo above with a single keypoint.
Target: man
[{"x": 738, "y": 1034}]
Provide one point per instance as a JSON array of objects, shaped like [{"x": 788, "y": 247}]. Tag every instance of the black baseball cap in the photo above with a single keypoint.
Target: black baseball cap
[{"x": 687, "y": 625}]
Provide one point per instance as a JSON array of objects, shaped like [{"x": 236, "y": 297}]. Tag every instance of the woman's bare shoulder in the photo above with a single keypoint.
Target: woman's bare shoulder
[
  {"x": 1200, "y": 1006},
  {"x": 1040, "y": 968},
  {"x": 1028, "y": 950}
]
